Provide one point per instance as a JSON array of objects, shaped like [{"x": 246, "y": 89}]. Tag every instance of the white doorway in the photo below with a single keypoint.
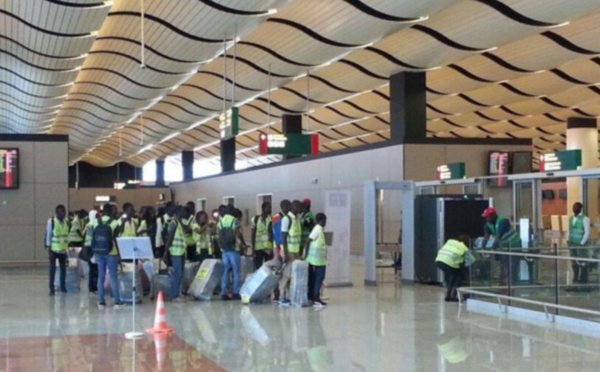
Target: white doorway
[
  {"x": 229, "y": 200},
  {"x": 263, "y": 198},
  {"x": 201, "y": 205}
]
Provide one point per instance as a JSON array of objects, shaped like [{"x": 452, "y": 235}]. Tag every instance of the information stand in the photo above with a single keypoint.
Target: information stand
[{"x": 135, "y": 249}]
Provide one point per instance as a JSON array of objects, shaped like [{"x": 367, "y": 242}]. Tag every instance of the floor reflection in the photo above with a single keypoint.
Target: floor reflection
[{"x": 108, "y": 352}]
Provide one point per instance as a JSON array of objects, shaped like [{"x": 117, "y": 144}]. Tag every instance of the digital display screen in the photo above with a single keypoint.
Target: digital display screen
[
  {"x": 499, "y": 165},
  {"x": 9, "y": 168}
]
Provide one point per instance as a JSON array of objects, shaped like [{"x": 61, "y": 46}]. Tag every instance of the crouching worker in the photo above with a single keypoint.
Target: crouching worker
[
  {"x": 315, "y": 254},
  {"x": 451, "y": 260}
]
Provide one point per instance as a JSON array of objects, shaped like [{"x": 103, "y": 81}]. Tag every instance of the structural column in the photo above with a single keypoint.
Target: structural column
[
  {"x": 228, "y": 155},
  {"x": 160, "y": 172},
  {"x": 291, "y": 124},
  {"x": 187, "y": 164},
  {"x": 408, "y": 107},
  {"x": 582, "y": 134}
]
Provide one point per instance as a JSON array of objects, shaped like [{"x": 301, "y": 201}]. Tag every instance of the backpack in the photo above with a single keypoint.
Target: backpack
[
  {"x": 227, "y": 236},
  {"x": 102, "y": 238},
  {"x": 277, "y": 236}
]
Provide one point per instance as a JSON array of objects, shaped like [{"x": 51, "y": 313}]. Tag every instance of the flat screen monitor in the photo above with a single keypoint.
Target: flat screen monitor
[
  {"x": 499, "y": 165},
  {"x": 547, "y": 194},
  {"x": 9, "y": 168}
]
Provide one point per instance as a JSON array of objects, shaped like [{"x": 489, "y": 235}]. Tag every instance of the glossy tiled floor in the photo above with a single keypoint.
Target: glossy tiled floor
[{"x": 391, "y": 328}]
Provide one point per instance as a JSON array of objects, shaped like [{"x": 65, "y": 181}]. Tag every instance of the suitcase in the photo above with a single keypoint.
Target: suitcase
[
  {"x": 149, "y": 269},
  {"x": 189, "y": 273},
  {"x": 246, "y": 267},
  {"x": 161, "y": 281},
  {"x": 206, "y": 280},
  {"x": 72, "y": 275},
  {"x": 125, "y": 278},
  {"x": 259, "y": 286},
  {"x": 83, "y": 269},
  {"x": 299, "y": 284}
]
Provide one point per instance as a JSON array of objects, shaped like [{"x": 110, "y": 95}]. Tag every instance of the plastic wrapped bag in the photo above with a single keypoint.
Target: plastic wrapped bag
[
  {"x": 259, "y": 286},
  {"x": 206, "y": 280},
  {"x": 299, "y": 284}
]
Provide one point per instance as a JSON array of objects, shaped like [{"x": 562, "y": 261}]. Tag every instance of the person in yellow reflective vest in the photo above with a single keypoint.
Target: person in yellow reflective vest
[
  {"x": 315, "y": 254},
  {"x": 202, "y": 237},
  {"x": 106, "y": 261},
  {"x": 57, "y": 244},
  {"x": 188, "y": 231},
  {"x": 262, "y": 236},
  {"x": 176, "y": 250},
  {"x": 450, "y": 259},
  {"x": 291, "y": 231},
  {"x": 76, "y": 229},
  {"x": 128, "y": 226}
]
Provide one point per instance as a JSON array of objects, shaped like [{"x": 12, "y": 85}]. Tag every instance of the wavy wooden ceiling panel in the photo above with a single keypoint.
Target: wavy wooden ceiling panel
[{"x": 74, "y": 67}]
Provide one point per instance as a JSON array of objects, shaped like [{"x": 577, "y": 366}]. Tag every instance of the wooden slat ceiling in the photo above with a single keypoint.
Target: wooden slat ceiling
[{"x": 499, "y": 69}]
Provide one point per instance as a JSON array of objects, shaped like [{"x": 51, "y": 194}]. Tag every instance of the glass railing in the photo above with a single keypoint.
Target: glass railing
[{"x": 558, "y": 280}]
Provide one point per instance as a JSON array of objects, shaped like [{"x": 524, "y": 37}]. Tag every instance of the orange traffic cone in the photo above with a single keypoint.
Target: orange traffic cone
[
  {"x": 160, "y": 319},
  {"x": 160, "y": 343}
]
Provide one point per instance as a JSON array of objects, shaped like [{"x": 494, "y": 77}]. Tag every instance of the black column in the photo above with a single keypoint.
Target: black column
[
  {"x": 228, "y": 155},
  {"x": 291, "y": 124},
  {"x": 408, "y": 107},
  {"x": 573, "y": 123},
  {"x": 160, "y": 173},
  {"x": 187, "y": 163}
]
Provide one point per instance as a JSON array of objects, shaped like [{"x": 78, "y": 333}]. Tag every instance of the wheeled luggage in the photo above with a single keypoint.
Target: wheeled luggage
[
  {"x": 161, "y": 281},
  {"x": 299, "y": 284},
  {"x": 125, "y": 278},
  {"x": 189, "y": 273},
  {"x": 206, "y": 280},
  {"x": 246, "y": 267},
  {"x": 259, "y": 286}
]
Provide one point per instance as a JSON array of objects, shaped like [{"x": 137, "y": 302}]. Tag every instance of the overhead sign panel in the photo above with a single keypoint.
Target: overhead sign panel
[
  {"x": 229, "y": 123},
  {"x": 560, "y": 160},
  {"x": 452, "y": 171},
  {"x": 290, "y": 144}
]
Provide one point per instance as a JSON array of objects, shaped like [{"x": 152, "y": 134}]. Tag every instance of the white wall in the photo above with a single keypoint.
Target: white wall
[
  {"x": 294, "y": 181},
  {"x": 43, "y": 184}
]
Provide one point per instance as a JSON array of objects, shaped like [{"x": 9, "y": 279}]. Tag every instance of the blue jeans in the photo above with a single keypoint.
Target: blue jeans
[
  {"x": 231, "y": 261},
  {"x": 111, "y": 262},
  {"x": 178, "y": 262}
]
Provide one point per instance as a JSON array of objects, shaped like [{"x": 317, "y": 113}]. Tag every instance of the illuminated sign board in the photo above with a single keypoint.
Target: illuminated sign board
[
  {"x": 229, "y": 123},
  {"x": 452, "y": 171},
  {"x": 560, "y": 160},
  {"x": 290, "y": 144}
]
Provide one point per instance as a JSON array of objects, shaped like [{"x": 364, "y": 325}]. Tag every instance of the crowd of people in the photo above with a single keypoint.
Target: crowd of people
[{"x": 178, "y": 234}]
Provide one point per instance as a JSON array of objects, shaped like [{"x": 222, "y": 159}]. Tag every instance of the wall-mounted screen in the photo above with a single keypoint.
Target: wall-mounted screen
[
  {"x": 499, "y": 165},
  {"x": 9, "y": 168},
  {"x": 547, "y": 194},
  {"x": 521, "y": 162}
]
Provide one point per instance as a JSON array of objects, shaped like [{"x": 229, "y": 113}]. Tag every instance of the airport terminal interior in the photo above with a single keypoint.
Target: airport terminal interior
[{"x": 299, "y": 185}]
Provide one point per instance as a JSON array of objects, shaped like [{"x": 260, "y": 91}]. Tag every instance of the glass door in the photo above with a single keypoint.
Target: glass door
[{"x": 526, "y": 202}]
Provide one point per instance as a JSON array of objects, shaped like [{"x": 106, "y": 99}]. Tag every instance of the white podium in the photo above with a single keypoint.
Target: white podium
[{"x": 135, "y": 249}]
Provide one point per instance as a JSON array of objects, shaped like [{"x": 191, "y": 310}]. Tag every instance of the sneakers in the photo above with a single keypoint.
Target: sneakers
[
  {"x": 318, "y": 304},
  {"x": 118, "y": 305},
  {"x": 284, "y": 302},
  {"x": 225, "y": 298},
  {"x": 101, "y": 305},
  {"x": 236, "y": 297},
  {"x": 179, "y": 300},
  {"x": 63, "y": 290}
]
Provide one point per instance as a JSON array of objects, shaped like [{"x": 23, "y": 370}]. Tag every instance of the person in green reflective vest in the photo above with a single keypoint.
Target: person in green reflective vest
[
  {"x": 500, "y": 229},
  {"x": 291, "y": 231},
  {"x": 450, "y": 259},
  {"x": 202, "y": 237},
  {"x": 315, "y": 249},
  {"x": 176, "y": 249},
  {"x": 188, "y": 231},
  {"x": 262, "y": 236},
  {"x": 76, "y": 230},
  {"x": 128, "y": 225},
  {"x": 57, "y": 243},
  {"x": 578, "y": 236}
]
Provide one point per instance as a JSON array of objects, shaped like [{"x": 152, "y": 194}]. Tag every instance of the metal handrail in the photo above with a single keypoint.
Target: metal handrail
[
  {"x": 523, "y": 300},
  {"x": 537, "y": 255}
]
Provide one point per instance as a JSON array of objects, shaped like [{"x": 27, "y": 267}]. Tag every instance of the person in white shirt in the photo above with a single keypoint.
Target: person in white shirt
[{"x": 578, "y": 236}]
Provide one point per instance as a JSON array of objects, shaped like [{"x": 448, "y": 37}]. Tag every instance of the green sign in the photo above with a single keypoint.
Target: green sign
[
  {"x": 452, "y": 171},
  {"x": 229, "y": 123},
  {"x": 560, "y": 160},
  {"x": 288, "y": 144}
]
